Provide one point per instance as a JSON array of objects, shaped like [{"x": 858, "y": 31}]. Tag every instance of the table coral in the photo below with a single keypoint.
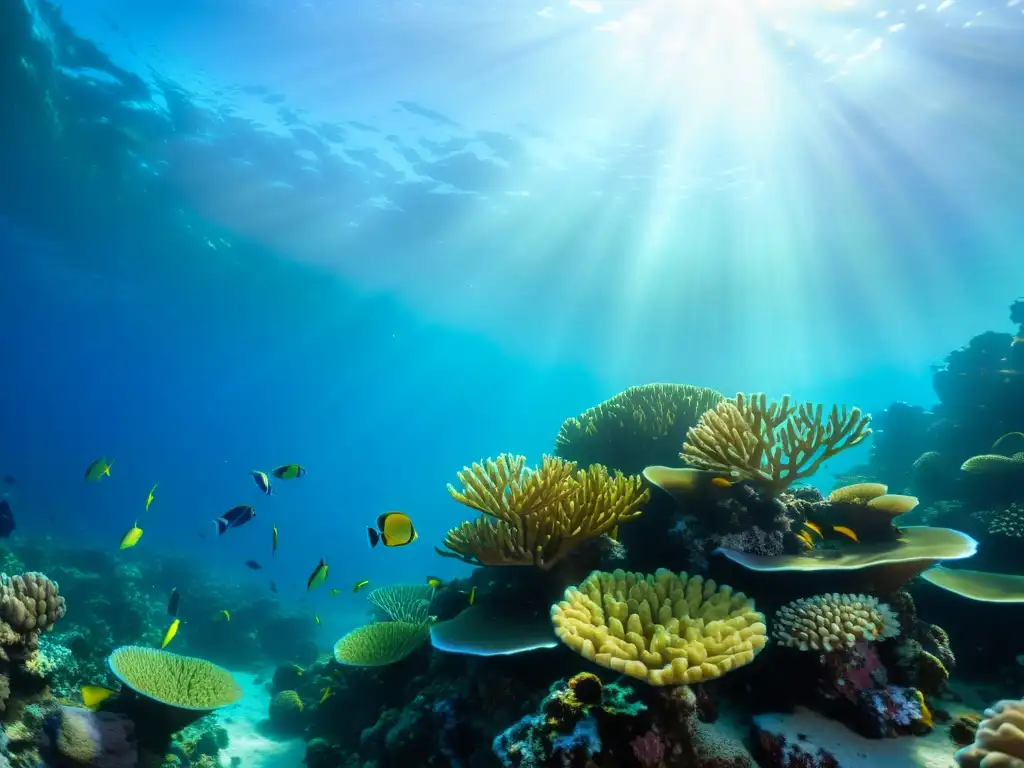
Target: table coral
[{"x": 664, "y": 629}]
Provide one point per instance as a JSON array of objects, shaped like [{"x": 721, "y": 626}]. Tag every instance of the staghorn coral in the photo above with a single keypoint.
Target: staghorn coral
[
  {"x": 537, "y": 517},
  {"x": 403, "y": 602},
  {"x": 772, "y": 444},
  {"x": 640, "y": 426},
  {"x": 177, "y": 681},
  {"x": 664, "y": 629},
  {"x": 999, "y": 740},
  {"x": 833, "y": 622},
  {"x": 380, "y": 644}
]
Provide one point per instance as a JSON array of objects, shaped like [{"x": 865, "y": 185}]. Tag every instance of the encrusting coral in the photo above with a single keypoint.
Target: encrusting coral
[
  {"x": 665, "y": 629},
  {"x": 832, "y": 622},
  {"x": 772, "y": 444},
  {"x": 999, "y": 740},
  {"x": 537, "y": 517},
  {"x": 640, "y": 426}
]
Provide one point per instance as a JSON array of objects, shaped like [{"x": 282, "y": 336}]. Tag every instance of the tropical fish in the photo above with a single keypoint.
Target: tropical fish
[
  {"x": 262, "y": 481},
  {"x": 335, "y": 592},
  {"x": 131, "y": 538},
  {"x": 318, "y": 576},
  {"x": 721, "y": 482},
  {"x": 149, "y": 496},
  {"x": 94, "y": 695},
  {"x": 814, "y": 527},
  {"x": 324, "y": 693},
  {"x": 847, "y": 532},
  {"x": 234, "y": 518},
  {"x": 172, "y": 604},
  {"x": 253, "y": 565},
  {"x": 97, "y": 470},
  {"x": 273, "y": 587},
  {"x": 273, "y": 551},
  {"x": 434, "y": 582},
  {"x": 289, "y": 472},
  {"x": 224, "y": 614},
  {"x": 170, "y": 633},
  {"x": 359, "y": 585},
  {"x": 472, "y": 596},
  {"x": 394, "y": 529},
  {"x": 805, "y": 537},
  {"x": 1017, "y": 340},
  {"x": 317, "y": 619},
  {"x": 6, "y": 519}
]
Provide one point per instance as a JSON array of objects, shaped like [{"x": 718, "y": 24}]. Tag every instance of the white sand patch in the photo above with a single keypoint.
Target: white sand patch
[{"x": 244, "y": 723}]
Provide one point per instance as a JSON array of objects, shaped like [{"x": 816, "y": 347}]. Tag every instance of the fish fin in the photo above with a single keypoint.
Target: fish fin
[
  {"x": 373, "y": 536},
  {"x": 221, "y": 525}
]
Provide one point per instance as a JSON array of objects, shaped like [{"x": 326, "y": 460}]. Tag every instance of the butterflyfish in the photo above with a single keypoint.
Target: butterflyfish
[
  {"x": 318, "y": 576},
  {"x": 131, "y": 538},
  {"x": 150, "y": 496},
  {"x": 847, "y": 532},
  {"x": 97, "y": 470},
  {"x": 289, "y": 472},
  {"x": 94, "y": 695},
  {"x": 170, "y": 633},
  {"x": 172, "y": 604},
  {"x": 262, "y": 481},
  {"x": 273, "y": 550},
  {"x": 358, "y": 585},
  {"x": 394, "y": 529},
  {"x": 234, "y": 518}
]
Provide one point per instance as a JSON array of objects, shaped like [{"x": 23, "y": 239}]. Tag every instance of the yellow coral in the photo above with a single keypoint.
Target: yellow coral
[
  {"x": 382, "y": 643},
  {"x": 179, "y": 681},
  {"x": 993, "y": 463},
  {"x": 666, "y": 629},
  {"x": 999, "y": 740},
  {"x": 773, "y": 444},
  {"x": 536, "y": 517}
]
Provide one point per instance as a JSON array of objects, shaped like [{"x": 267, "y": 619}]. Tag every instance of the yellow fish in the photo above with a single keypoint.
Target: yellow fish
[
  {"x": 335, "y": 592},
  {"x": 813, "y": 527},
  {"x": 721, "y": 482},
  {"x": 94, "y": 695},
  {"x": 170, "y": 633},
  {"x": 149, "y": 497},
  {"x": 358, "y": 585},
  {"x": 434, "y": 582},
  {"x": 274, "y": 550},
  {"x": 317, "y": 619},
  {"x": 318, "y": 576},
  {"x": 97, "y": 470},
  {"x": 848, "y": 532},
  {"x": 805, "y": 537},
  {"x": 224, "y": 614},
  {"x": 472, "y": 596},
  {"x": 324, "y": 693},
  {"x": 394, "y": 529},
  {"x": 289, "y": 472},
  {"x": 131, "y": 538}
]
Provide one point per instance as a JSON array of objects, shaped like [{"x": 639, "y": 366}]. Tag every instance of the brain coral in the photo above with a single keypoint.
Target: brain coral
[
  {"x": 666, "y": 629},
  {"x": 179, "y": 681},
  {"x": 832, "y": 622},
  {"x": 382, "y": 643}
]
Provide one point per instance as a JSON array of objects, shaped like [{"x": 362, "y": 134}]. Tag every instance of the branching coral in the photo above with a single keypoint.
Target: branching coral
[
  {"x": 536, "y": 517},
  {"x": 833, "y": 621},
  {"x": 664, "y": 629},
  {"x": 772, "y": 444}
]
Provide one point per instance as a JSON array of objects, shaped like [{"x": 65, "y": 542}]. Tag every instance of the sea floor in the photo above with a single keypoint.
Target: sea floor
[{"x": 246, "y": 724}]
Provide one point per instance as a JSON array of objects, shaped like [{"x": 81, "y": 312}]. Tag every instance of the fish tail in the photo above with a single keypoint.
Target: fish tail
[
  {"x": 373, "y": 536},
  {"x": 221, "y": 525}
]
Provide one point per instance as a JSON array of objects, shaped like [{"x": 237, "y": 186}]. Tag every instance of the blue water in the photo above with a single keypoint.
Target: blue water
[{"x": 386, "y": 240}]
